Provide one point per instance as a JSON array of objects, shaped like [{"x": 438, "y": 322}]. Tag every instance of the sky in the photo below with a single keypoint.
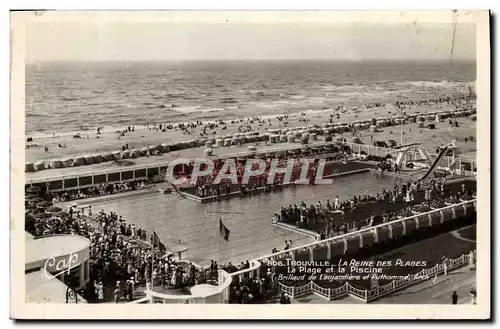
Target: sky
[{"x": 65, "y": 36}]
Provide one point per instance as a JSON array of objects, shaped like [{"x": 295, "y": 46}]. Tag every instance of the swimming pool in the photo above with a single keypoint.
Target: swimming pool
[{"x": 248, "y": 218}]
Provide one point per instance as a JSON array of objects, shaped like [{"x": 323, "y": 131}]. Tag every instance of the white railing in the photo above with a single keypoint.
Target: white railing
[
  {"x": 364, "y": 295},
  {"x": 220, "y": 294},
  {"x": 366, "y": 230},
  {"x": 368, "y": 295}
]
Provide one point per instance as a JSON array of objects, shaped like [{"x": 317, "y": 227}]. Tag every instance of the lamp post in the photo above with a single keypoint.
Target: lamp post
[{"x": 401, "y": 109}]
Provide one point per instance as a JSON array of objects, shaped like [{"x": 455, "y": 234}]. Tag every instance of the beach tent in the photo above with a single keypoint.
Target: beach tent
[
  {"x": 117, "y": 155},
  {"x": 186, "y": 144},
  {"x": 356, "y": 140},
  {"x": 412, "y": 119},
  {"x": 283, "y": 138},
  {"x": 97, "y": 158},
  {"x": 126, "y": 154},
  {"x": 261, "y": 138},
  {"x": 313, "y": 137},
  {"x": 227, "y": 142},
  {"x": 67, "y": 162},
  {"x": 373, "y": 128},
  {"x": 135, "y": 153},
  {"x": 108, "y": 156},
  {"x": 29, "y": 167},
  {"x": 78, "y": 161},
  {"x": 219, "y": 142},
  {"x": 201, "y": 142},
  {"x": 55, "y": 164},
  {"x": 89, "y": 159},
  {"x": 174, "y": 146},
  {"x": 304, "y": 140},
  {"x": 208, "y": 152}
]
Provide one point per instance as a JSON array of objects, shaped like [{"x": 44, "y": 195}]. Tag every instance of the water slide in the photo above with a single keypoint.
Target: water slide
[{"x": 436, "y": 162}]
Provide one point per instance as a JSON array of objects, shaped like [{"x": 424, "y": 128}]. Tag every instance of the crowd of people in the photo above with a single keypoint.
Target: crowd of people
[
  {"x": 120, "y": 259},
  {"x": 339, "y": 216},
  {"x": 118, "y": 252},
  {"x": 216, "y": 190},
  {"x": 101, "y": 189}
]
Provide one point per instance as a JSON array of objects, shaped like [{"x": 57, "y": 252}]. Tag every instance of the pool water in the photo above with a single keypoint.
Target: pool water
[{"x": 248, "y": 218}]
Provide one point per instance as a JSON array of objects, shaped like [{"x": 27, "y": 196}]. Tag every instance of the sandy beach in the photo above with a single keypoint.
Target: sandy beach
[{"x": 109, "y": 140}]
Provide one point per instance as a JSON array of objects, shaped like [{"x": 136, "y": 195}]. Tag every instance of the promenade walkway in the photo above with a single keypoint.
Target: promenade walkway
[{"x": 436, "y": 291}]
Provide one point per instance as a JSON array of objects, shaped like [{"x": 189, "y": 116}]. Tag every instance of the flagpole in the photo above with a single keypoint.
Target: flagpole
[
  {"x": 220, "y": 258},
  {"x": 219, "y": 249},
  {"x": 152, "y": 260}
]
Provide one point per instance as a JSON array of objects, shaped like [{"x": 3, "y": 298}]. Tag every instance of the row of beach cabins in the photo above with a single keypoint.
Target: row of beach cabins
[{"x": 302, "y": 135}]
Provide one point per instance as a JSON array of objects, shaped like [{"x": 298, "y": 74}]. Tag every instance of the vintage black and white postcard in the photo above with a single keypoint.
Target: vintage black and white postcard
[{"x": 293, "y": 165}]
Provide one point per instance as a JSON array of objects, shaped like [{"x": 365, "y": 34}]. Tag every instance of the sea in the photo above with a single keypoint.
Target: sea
[{"x": 65, "y": 97}]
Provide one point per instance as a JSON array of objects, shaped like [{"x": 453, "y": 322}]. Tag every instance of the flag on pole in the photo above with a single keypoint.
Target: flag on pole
[
  {"x": 157, "y": 243},
  {"x": 224, "y": 231}
]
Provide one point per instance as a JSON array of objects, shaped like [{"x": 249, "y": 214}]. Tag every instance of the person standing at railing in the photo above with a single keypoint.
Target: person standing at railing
[
  {"x": 454, "y": 298},
  {"x": 445, "y": 264},
  {"x": 473, "y": 296},
  {"x": 336, "y": 203},
  {"x": 472, "y": 261}
]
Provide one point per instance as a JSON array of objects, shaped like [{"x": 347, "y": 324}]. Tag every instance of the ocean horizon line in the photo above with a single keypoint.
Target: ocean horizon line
[{"x": 350, "y": 60}]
